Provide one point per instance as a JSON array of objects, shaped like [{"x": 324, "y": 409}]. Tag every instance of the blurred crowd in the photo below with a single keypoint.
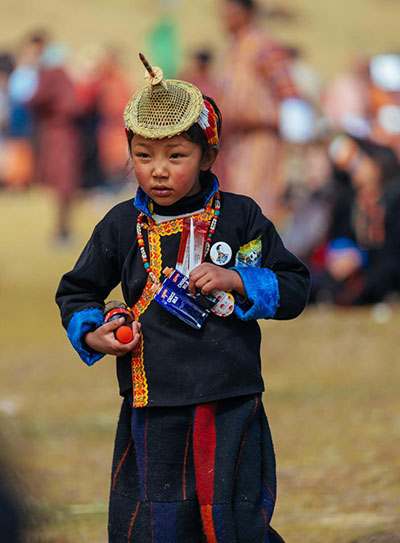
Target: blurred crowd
[
  {"x": 61, "y": 124},
  {"x": 320, "y": 157}
]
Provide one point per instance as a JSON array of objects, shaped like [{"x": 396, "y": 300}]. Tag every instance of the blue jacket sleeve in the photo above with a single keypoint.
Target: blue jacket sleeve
[
  {"x": 261, "y": 285},
  {"x": 278, "y": 287},
  {"x": 82, "y": 322},
  {"x": 82, "y": 291}
]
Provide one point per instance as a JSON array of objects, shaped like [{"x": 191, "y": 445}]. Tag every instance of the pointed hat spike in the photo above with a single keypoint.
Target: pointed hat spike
[
  {"x": 147, "y": 65},
  {"x": 154, "y": 75}
]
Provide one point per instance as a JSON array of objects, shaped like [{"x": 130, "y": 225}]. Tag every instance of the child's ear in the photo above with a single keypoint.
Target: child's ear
[{"x": 208, "y": 158}]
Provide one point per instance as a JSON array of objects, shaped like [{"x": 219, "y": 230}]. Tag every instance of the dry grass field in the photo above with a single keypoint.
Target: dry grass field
[{"x": 332, "y": 397}]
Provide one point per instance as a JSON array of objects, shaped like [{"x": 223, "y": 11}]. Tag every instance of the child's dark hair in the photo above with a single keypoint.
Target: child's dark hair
[{"x": 195, "y": 133}]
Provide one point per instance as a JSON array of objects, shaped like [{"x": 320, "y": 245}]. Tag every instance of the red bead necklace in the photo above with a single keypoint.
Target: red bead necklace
[{"x": 207, "y": 247}]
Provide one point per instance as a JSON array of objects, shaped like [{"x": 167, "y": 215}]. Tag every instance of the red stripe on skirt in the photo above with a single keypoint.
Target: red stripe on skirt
[
  {"x": 266, "y": 524},
  {"x": 244, "y": 439},
  {"x": 132, "y": 522},
  {"x": 185, "y": 460},
  {"x": 145, "y": 454},
  {"x": 204, "y": 444},
  {"x": 120, "y": 463},
  {"x": 208, "y": 523}
]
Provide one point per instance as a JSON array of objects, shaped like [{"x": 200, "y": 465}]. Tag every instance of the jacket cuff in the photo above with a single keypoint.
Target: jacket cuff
[
  {"x": 261, "y": 285},
  {"x": 82, "y": 322}
]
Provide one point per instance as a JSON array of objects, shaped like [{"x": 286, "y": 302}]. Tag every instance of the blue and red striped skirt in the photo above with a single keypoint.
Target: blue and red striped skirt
[{"x": 193, "y": 474}]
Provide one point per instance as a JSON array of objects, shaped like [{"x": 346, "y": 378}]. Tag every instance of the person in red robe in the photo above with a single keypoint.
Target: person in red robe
[{"x": 55, "y": 108}]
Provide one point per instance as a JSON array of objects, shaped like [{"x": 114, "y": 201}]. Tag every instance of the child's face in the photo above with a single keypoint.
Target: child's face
[{"x": 168, "y": 169}]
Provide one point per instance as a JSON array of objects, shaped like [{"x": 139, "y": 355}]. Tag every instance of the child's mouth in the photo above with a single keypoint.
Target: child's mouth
[{"x": 161, "y": 191}]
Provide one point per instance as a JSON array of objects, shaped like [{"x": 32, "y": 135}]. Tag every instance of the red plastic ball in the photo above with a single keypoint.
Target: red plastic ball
[{"x": 124, "y": 334}]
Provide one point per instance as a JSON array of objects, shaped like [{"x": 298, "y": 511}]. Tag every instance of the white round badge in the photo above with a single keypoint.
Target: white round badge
[{"x": 220, "y": 253}]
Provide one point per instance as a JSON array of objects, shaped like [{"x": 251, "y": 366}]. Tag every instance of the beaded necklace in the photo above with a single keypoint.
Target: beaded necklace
[{"x": 210, "y": 234}]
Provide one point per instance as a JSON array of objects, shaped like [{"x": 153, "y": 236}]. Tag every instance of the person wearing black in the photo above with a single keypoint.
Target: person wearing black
[
  {"x": 193, "y": 456},
  {"x": 362, "y": 257}
]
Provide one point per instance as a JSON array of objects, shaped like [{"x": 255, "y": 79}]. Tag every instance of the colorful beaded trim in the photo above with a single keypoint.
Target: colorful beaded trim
[
  {"x": 139, "y": 379},
  {"x": 156, "y": 262},
  {"x": 176, "y": 224},
  {"x": 153, "y": 267}
]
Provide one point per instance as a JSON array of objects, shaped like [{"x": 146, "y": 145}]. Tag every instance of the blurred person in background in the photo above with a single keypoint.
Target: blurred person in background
[
  {"x": 365, "y": 101},
  {"x": 308, "y": 80},
  {"x": 384, "y": 100},
  {"x": 113, "y": 92},
  {"x": 199, "y": 71},
  {"x": 308, "y": 204},
  {"x": 260, "y": 103},
  {"x": 102, "y": 90},
  {"x": 55, "y": 109},
  {"x": 6, "y": 68},
  {"x": 85, "y": 78},
  {"x": 345, "y": 102},
  {"x": 362, "y": 256},
  {"x": 18, "y": 164},
  {"x": 23, "y": 83}
]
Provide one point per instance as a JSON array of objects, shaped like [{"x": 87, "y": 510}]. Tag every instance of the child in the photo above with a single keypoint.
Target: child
[{"x": 193, "y": 459}]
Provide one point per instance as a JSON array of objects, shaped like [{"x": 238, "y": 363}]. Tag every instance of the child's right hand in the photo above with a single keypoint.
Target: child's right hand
[{"x": 103, "y": 340}]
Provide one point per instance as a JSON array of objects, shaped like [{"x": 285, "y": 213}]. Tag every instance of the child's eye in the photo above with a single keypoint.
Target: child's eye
[
  {"x": 176, "y": 155},
  {"x": 142, "y": 155}
]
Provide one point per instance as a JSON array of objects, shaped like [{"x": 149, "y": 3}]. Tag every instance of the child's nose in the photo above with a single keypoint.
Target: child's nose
[{"x": 160, "y": 169}]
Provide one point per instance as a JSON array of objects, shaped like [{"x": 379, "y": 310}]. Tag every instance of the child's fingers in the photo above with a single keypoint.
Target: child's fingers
[
  {"x": 121, "y": 349},
  {"x": 112, "y": 325},
  {"x": 134, "y": 342},
  {"x": 206, "y": 283},
  {"x": 201, "y": 269},
  {"x": 136, "y": 327},
  {"x": 116, "y": 348},
  {"x": 201, "y": 281},
  {"x": 208, "y": 286},
  {"x": 192, "y": 288},
  {"x": 195, "y": 275},
  {"x": 104, "y": 341}
]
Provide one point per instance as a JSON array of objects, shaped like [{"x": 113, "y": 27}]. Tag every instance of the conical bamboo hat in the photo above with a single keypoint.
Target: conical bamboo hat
[{"x": 163, "y": 108}]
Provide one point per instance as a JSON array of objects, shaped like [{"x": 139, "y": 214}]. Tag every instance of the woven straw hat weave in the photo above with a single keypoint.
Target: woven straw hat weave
[{"x": 163, "y": 108}]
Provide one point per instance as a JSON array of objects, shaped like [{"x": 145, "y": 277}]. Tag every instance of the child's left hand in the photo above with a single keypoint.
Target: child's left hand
[{"x": 208, "y": 277}]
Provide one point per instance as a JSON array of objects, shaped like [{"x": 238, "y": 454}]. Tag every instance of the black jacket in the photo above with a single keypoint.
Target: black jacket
[{"x": 184, "y": 365}]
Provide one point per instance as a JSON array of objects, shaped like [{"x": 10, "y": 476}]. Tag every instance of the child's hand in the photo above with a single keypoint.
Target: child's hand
[
  {"x": 103, "y": 340},
  {"x": 208, "y": 277}
]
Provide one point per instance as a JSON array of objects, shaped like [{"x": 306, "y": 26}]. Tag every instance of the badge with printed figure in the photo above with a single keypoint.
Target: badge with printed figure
[
  {"x": 220, "y": 253},
  {"x": 250, "y": 255}
]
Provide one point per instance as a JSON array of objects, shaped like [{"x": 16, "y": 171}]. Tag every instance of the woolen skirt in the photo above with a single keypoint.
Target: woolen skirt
[{"x": 193, "y": 474}]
